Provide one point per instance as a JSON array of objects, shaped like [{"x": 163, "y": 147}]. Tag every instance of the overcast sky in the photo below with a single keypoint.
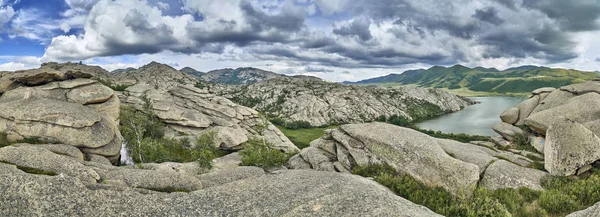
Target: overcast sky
[{"x": 336, "y": 40}]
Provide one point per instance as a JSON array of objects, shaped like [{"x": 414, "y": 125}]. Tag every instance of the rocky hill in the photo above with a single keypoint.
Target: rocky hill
[
  {"x": 159, "y": 75},
  {"x": 513, "y": 80},
  {"x": 191, "y": 71},
  {"x": 238, "y": 76},
  {"x": 120, "y": 71},
  {"x": 319, "y": 102}
]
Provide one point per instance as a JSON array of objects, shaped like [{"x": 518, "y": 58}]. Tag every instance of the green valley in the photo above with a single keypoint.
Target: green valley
[{"x": 480, "y": 81}]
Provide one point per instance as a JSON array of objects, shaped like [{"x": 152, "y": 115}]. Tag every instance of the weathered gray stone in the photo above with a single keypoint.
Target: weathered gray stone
[
  {"x": 510, "y": 115},
  {"x": 319, "y": 159},
  {"x": 525, "y": 109},
  {"x": 503, "y": 174},
  {"x": 554, "y": 99},
  {"x": 543, "y": 90},
  {"x": 538, "y": 143},
  {"x": 90, "y": 94},
  {"x": 296, "y": 162},
  {"x": 70, "y": 84},
  {"x": 467, "y": 153},
  {"x": 483, "y": 143},
  {"x": 156, "y": 180},
  {"x": 227, "y": 137},
  {"x": 231, "y": 175},
  {"x": 29, "y": 77},
  {"x": 97, "y": 158},
  {"x": 569, "y": 146},
  {"x": 499, "y": 141},
  {"x": 325, "y": 145},
  {"x": 508, "y": 131},
  {"x": 590, "y": 211},
  {"x": 190, "y": 168},
  {"x": 583, "y": 88},
  {"x": 41, "y": 160},
  {"x": 593, "y": 126},
  {"x": 416, "y": 154},
  {"x": 58, "y": 149},
  {"x": 229, "y": 161},
  {"x": 581, "y": 109},
  {"x": 286, "y": 193}
]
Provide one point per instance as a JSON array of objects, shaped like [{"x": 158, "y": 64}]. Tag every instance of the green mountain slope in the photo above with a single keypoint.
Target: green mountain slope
[{"x": 513, "y": 80}]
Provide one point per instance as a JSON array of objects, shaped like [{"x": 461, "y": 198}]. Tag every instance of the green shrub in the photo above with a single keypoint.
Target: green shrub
[
  {"x": 294, "y": 125},
  {"x": 558, "y": 202},
  {"x": 435, "y": 198},
  {"x": 144, "y": 136},
  {"x": 262, "y": 154},
  {"x": 277, "y": 121},
  {"x": 115, "y": 87}
]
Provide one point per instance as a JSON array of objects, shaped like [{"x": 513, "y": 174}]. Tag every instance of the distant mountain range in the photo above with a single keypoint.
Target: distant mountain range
[
  {"x": 192, "y": 72},
  {"x": 513, "y": 80}
]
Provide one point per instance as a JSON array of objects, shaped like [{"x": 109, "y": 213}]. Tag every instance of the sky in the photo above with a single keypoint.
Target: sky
[{"x": 337, "y": 40}]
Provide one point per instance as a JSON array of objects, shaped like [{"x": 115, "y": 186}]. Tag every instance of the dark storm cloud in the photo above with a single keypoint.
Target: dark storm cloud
[
  {"x": 263, "y": 28},
  {"x": 260, "y": 21},
  {"x": 382, "y": 33},
  {"x": 489, "y": 15},
  {"x": 579, "y": 15},
  {"x": 316, "y": 69},
  {"x": 358, "y": 27},
  {"x": 511, "y": 4},
  {"x": 598, "y": 59},
  {"x": 547, "y": 44}
]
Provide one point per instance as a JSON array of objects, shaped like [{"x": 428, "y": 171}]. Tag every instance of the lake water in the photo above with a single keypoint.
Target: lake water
[{"x": 476, "y": 119}]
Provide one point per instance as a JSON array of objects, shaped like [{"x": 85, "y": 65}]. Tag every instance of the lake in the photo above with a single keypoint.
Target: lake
[{"x": 476, "y": 119}]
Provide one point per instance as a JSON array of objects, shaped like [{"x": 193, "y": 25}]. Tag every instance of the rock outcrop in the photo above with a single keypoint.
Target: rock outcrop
[
  {"x": 61, "y": 108},
  {"x": 503, "y": 174},
  {"x": 34, "y": 180},
  {"x": 319, "y": 102},
  {"x": 406, "y": 150},
  {"x": 189, "y": 111},
  {"x": 563, "y": 124},
  {"x": 160, "y": 76},
  {"x": 445, "y": 163}
]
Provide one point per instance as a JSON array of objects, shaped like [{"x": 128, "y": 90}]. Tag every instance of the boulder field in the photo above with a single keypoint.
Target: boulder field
[{"x": 563, "y": 124}]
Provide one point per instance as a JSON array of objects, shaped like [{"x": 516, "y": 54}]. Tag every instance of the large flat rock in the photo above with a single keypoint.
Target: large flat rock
[
  {"x": 503, "y": 174},
  {"x": 286, "y": 193},
  {"x": 417, "y": 154}
]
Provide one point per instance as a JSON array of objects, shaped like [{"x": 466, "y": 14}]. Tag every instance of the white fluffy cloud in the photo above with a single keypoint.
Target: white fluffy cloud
[{"x": 6, "y": 14}]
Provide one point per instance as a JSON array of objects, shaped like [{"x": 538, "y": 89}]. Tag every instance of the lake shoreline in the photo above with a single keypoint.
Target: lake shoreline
[{"x": 476, "y": 119}]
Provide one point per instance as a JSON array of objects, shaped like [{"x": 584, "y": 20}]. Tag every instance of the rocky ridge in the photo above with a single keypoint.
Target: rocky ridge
[
  {"x": 237, "y": 76},
  {"x": 303, "y": 98},
  {"x": 559, "y": 123},
  {"x": 189, "y": 111},
  {"x": 457, "y": 167},
  {"x": 159, "y": 75}
]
